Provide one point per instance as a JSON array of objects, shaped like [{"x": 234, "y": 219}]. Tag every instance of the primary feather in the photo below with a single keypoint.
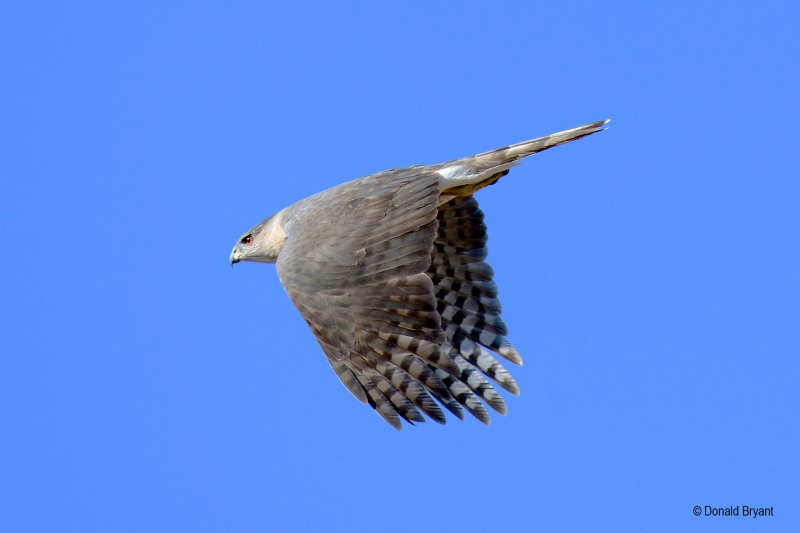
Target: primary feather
[{"x": 389, "y": 272}]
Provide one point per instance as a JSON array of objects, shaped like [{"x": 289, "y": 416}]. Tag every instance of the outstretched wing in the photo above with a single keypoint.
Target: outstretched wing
[
  {"x": 469, "y": 309},
  {"x": 398, "y": 296},
  {"x": 355, "y": 264}
]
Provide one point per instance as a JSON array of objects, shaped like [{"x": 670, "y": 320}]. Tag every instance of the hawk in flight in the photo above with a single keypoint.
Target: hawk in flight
[{"x": 390, "y": 273}]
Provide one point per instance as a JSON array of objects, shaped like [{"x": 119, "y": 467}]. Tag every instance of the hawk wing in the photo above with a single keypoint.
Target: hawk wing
[
  {"x": 466, "y": 297},
  {"x": 395, "y": 289},
  {"x": 354, "y": 264}
]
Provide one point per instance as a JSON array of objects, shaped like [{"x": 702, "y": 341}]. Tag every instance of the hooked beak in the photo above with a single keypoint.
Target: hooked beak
[{"x": 234, "y": 258}]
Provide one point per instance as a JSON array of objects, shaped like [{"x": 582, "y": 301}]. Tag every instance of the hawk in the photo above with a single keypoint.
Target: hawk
[{"x": 390, "y": 273}]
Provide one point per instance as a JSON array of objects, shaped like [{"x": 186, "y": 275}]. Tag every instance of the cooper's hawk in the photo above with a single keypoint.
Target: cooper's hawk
[{"x": 389, "y": 272}]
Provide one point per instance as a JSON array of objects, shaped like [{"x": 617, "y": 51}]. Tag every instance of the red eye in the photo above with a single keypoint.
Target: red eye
[{"x": 248, "y": 239}]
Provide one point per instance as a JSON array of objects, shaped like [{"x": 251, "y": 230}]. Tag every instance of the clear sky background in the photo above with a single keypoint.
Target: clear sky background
[{"x": 649, "y": 274}]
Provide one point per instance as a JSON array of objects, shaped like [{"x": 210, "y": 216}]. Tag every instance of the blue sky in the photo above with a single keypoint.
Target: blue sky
[{"x": 649, "y": 274}]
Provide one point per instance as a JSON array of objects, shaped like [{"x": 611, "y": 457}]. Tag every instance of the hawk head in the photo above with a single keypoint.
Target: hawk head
[{"x": 262, "y": 243}]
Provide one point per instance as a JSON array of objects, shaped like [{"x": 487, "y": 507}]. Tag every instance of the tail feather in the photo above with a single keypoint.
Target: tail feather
[
  {"x": 463, "y": 177},
  {"x": 515, "y": 152}
]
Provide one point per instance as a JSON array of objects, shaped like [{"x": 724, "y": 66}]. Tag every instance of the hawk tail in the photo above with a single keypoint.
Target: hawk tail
[
  {"x": 464, "y": 177},
  {"x": 515, "y": 152}
]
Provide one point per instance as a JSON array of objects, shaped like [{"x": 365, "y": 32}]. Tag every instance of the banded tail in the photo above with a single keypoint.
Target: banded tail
[{"x": 463, "y": 177}]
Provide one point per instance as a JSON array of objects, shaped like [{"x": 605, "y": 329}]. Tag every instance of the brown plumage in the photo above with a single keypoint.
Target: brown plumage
[{"x": 389, "y": 272}]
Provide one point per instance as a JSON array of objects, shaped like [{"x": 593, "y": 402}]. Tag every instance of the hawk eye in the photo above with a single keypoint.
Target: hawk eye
[{"x": 247, "y": 240}]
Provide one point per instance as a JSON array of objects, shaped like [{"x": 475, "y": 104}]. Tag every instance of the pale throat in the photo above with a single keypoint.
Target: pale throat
[{"x": 272, "y": 237}]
